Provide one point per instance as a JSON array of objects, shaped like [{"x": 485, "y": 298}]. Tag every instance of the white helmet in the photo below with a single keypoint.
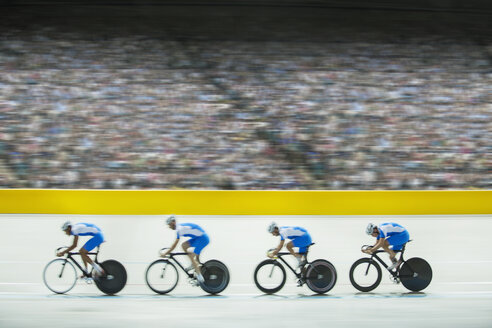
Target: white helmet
[
  {"x": 66, "y": 225},
  {"x": 370, "y": 228},
  {"x": 272, "y": 227},
  {"x": 170, "y": 219}
]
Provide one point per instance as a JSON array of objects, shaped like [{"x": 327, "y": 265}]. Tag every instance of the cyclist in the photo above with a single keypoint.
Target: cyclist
[
  {"x": 84, "y": 229},
  {"x": 391, "y": 237},
  {"x": 299, "y": 237},
  {"x": 198, "y": 240}
]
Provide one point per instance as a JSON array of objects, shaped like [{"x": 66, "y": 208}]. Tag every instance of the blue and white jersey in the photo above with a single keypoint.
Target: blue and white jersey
[
  {"x": 189, "y": 230},
  {"x": 85, "y": 229},
  {"x": 291, "y": 232},
  {"x": 389, "y": 229}
]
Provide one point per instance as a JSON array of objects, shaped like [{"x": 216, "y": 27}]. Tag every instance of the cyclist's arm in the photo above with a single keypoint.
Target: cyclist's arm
[
  {"x": 377, "y": 246},
  {"x": 75, "y": 241},
  {"x": 173, "y": 246},
  {"x": 279, "y": 247}
]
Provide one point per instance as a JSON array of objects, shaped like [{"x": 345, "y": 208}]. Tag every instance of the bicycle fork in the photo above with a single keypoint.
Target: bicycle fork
[
  {"x": 271, "y": 271},
  {"x": 163, "y": 271},
  {"x": 62, "y": 269}
]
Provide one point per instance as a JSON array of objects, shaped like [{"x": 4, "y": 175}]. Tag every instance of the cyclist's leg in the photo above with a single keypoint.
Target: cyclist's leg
[
  {"x": 388, "y": 249},
  {"x": 290, "y": 247},
  {"x": 89, "y": 246},
  {"x": 199, "y": 244},
  {"x": 191, "y": 255},
  {"x": 85, "y": 258}
]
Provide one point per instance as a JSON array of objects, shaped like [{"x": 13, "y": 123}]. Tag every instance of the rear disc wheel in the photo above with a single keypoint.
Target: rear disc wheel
[
  {"x": 415, "y": 274},
  {"x": 114, "y": 279},
  {"x": 321, "y": 276},
  {"x": 216, "y": 276}
]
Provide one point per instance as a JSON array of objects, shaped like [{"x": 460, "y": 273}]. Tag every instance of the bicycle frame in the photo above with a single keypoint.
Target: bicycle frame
[
  {"x": 172, "y": 257},
  {"x": 300, "y": 274},
  {"x": 375, "y": 256},
  {"x": 70, "y": 257},
  {"x": 279, "y": 257},
  {"x": 396, "y": 273}
]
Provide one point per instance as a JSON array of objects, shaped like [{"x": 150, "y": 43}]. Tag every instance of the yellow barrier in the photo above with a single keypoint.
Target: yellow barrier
[{"x": 217, "y": 202}]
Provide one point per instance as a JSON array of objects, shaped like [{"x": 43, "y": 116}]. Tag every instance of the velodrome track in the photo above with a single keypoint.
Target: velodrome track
[{"x": 457, "y": 247}]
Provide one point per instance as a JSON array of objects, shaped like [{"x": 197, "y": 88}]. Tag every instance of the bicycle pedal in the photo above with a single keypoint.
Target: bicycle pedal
[
  {"x": 88, "y": 281},
  {"x": 394, "y": 280},
  {"x": 194, "y": 282}
]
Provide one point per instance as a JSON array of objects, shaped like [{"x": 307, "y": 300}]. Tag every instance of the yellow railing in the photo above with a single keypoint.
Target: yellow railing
[{"x": 217, "y": 202}]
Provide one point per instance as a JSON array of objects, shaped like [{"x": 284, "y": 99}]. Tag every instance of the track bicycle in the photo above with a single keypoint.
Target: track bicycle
[
  {"x": 415, "y": 273},
  {"x": 60, "y": 274},
  {"x": 319, "y": 275},
  {"x": 162, "y": 275}
]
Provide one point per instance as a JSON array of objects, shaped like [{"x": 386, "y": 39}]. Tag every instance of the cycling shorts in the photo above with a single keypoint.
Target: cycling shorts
[
  {"x": 93, "y": 242},
  {"x": 302, "y": 242},
  {"x": 199, "y": 243},
  {"x": 397, "y": 241}
]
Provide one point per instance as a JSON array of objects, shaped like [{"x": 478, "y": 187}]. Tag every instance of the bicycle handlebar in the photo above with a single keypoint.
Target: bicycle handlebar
[
  {"x": 171, "y": 254},
  {"x": 59, "y": 248},
  {"x": 75, "y": 253},
  {"x": 269, "y": 251},
  {"x": 366, "y": 247}
]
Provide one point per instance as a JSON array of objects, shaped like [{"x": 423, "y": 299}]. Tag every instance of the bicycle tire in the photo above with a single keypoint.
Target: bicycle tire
[
  {"x": 321, "y": 276},
  {"x": 372, "y": 272},
  {"x": 67, "y": 275},
  {"x": 415, "y": 274},
  {"x": 115, "y": 278},
  {"x": 160, "y": 286},
  {"x": 216, "y": 276},
  {"x": 274, "y": 284}
]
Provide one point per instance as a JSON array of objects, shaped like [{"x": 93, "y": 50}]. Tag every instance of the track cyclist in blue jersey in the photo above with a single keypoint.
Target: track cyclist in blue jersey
[
  {"x": 84, "y": 229},
  {"x": 391, "y": 237},
  {"x": 198, "y": 240},
  {"x": 299, "y": 237}
]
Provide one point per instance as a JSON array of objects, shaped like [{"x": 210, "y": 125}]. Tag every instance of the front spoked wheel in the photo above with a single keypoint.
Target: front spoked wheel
[
  {"x": 60, "y": 276},
  {"x": 321, "y": 276},
  {"x": 161, "y": 276},
  {"x": 270, "y": 276},
  {"x": 415, "y": 274},
  {"x": 216, "y": 276},
  {"x": 114, "y": 279},
  {"x": 365, "y": 274}
]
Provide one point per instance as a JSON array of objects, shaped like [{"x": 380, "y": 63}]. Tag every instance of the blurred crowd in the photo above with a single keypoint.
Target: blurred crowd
[{"x": 139, "y": 112}]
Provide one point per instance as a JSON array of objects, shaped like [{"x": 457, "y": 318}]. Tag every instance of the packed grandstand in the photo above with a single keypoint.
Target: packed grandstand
[{"x": 149, "y": 113}]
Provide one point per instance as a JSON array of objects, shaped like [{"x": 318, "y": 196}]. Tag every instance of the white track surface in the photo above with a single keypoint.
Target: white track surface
[{"x": 457, "y": 247}]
